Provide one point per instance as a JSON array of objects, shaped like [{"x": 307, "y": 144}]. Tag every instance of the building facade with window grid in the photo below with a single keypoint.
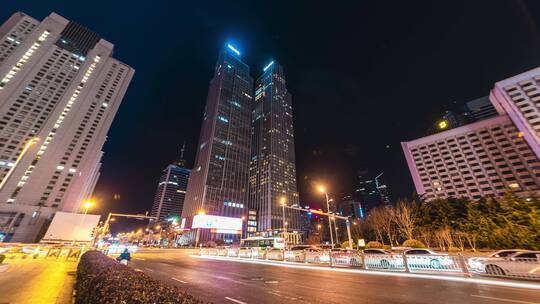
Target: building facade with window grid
[
  {"x": 519, "y": 97},
  {"x": 60, "y": 89},
  {"x": 273, "y": 167},
  {"x": 171, "y": 192},
  {"x": 480, "y": 159},
  {"x": 218, "y": 183}
]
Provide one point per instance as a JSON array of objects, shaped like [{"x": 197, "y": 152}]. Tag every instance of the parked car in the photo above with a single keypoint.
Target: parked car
[
  {"x": 346, "y": 257},
  {"x": 477, "y": 263},
  {"x": 232, "y": 251},
  {"x": 222, "y": 251},
  {"x": 274, "y": 254},
  {"x": 380, "y": 258},
  {"x": 522, "y": 264},
  {"x": 425, "y": 258},
  {"x": 317, "y": 255},
  {"x": 244, "y": 252},
  {"x": 296, "y": 253}
]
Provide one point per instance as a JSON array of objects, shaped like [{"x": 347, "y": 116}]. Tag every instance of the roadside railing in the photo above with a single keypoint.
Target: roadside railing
[
  {"x": 449, "y": 264},
  {"x": 42, "y": 251}
]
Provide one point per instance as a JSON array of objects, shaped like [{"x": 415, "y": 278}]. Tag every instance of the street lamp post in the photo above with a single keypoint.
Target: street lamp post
[{"x": 323, "y": 190}]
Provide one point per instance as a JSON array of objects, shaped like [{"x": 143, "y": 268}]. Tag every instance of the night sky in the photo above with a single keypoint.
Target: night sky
[{"x": 364, "y": 76}]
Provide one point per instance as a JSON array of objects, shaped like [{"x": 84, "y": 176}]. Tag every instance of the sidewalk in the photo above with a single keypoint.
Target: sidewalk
[{"x": 37, "y": 281}]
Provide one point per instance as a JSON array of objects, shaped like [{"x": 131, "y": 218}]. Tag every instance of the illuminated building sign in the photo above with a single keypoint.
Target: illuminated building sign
[
  {"x": 233, "y": 49},
  {"x": 268, "y": 66},
  {"x": 220, "y": 224}
]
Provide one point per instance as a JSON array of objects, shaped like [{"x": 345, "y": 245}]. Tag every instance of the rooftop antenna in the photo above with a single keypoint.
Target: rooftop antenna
[{"x": 182, "y": 161}]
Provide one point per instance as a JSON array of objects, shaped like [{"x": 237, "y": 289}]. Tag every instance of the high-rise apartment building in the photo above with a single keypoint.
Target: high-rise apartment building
[
  {"x": 272, "y": 179},
  {"x": 171, "y": 191},
  {"x": 484, "y": 158},
  {"x": 60, "y": 89},
  {"x": 218, "y": 184},
  {"x": 519, "y": 97}
]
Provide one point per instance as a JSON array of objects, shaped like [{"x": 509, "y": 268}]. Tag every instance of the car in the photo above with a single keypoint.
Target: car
[
  {"x": 376, "y": 251},
  {"x": 232, "y": 251},
  {"x": 245, "y": 252},
  {"x": 477, "y": 263},
  {"x": 346, "y": 257},
  {"x": 521, "y": 264},
  {"x": 274, "y": 254},
  {"x": 317, "y": 255},
  {"x": 425, "y": 258},
  {"x": 296, "y": 253},
  {"x": 222, "y": 251},
  {"x": 380, "y": 258}
]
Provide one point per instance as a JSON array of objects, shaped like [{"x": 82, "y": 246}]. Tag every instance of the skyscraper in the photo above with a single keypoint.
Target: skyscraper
[
  {"x": 59, "y": 92},
  {"x": 218, "y": 184},
  {"x": 371, "y": 191},
  {"x": 171, "y": 191},
  {"x": 480, "y": 108},
  {"x": 272, "y": 168}
]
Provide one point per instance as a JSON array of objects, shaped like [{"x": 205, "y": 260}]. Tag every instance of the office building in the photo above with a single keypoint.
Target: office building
[
  {"x": 272, "y": 169},
  {"x": 352, "y": 208},
  {"x": 519, "y": 98},
  {"x": 480, "y": 108},
  {"x": 218, "y": 183},
  {"x": 371, "y": 192},
  {"x": 480, "y": 159},
  {"x": 171, "y": 191},
  {"x": 60, "y": 89}
]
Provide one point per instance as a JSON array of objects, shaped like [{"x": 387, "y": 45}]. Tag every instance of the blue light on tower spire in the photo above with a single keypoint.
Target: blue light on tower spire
[
  {"x": 232, "y": 48},
  {"x": 268, "y": 66}
]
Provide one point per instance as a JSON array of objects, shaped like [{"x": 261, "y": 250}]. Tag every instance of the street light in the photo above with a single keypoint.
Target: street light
[
  {"x": 87, "y": 206},
  {"x": 322, "y": 189}
]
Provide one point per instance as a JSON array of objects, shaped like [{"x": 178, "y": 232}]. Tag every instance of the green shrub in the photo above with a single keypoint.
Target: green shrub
[
  {"x": 413, "y": 244},
  {"x": 102, "y": 280},
  {"x": 374, "y": 244},
  {"x": 2, "y": 258},
  {"x": 346, "y": 245}
]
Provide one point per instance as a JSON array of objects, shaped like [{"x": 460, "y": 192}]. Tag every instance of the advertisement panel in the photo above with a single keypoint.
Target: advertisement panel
[{"x": 221, "y": 224}]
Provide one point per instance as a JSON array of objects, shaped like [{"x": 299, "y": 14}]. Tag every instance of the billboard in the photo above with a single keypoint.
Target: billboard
[
  {"x": 220, "y": 224},
  {"x": 67, "y": 226}
]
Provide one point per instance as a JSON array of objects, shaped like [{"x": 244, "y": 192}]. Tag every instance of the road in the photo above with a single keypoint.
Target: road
[
  {"x": 230, "y": 282},
  {"x": 37, "y": 281}
]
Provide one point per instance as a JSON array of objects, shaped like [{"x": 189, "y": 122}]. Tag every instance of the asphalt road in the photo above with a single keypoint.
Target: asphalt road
[{"x": 233, "y": 282}]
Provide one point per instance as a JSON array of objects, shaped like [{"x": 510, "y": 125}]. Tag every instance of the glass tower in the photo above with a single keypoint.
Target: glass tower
[
  {"x": 219, "y": 180},
  {"x": 272, "y": 168}
]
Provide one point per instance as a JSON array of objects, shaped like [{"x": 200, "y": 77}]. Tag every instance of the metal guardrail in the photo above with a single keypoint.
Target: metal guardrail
[
  {"x": 42, "y": 251},
  {"x": 517, "y": 268},
  {"x": 449, "y": 264}
]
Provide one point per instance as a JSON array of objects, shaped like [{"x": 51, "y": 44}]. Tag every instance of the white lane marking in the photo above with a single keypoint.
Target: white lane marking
[
  {"x": 137, "y": 269},
  {"x": 140, "y": 259},
  {"x": 235, "y": 300},
  {"x": 381, "y": 273},
  {"x": 151, "y": 270},
  {"x": 184, "y": 282},
  {"x": 504, "y": 300}
]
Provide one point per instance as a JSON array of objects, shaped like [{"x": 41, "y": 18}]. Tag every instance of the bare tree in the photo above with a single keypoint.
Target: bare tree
[
  {"x": 459, "y": 239},
  {"x": 375, "y": 222},
  {"x": 386, "y": 216},
  {"x": 444, "y": 238},
  {"x": 426, "y": 236},
  {"x": 405, "y": 217}
]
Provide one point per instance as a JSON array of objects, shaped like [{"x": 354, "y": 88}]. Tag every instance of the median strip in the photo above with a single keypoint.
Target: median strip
[{"x": 380, "y": 273}]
